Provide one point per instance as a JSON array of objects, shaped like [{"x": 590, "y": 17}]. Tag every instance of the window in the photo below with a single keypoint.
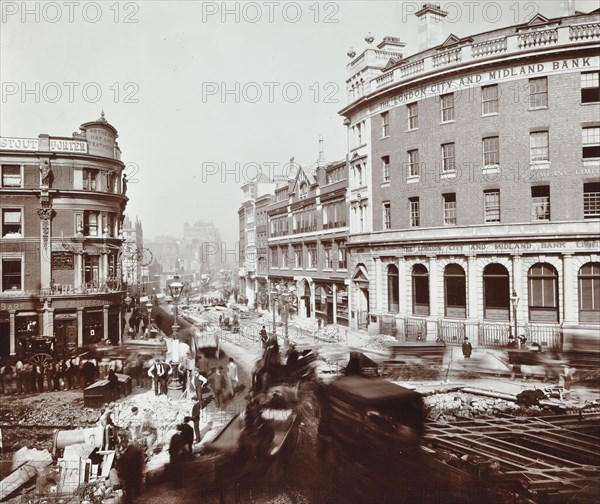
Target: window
[
  {"x": 489, "y": 99},
  {"x": 413, "y": 163},
  {"x": 358, "y": 175},
  {"x": 90, "y": 223},
  {"x": 261, "y": 265},
  {"x": 327, "y": 259},
  {"x": 11, "y": 223},
  {"x": 455, "y": 291},
  {"x": 414, "y": 212},
  {"x": 385, "y": 162},
  {"x": 387, "y": 216},
  {"x": 110, "y": 182},
  {"x": 274, "y": 257},
  {"x": 298, "y": 256},
  {"x": 491, "y": 151},
  {"x": 590, "y": 141},
  {"x": 538, "y": 93},
  {"x": 543, "y": 293},
  {"x": 491, "y": 205},
  {"x": 250, "y": 214},
  {"x": 358, "y": 130},
  {"x": 342, "y": 256},
  {"x": 334, "y": 175},
  {"x": 590, "y": 87},
  {"x": 284, "y": 257},
  {"x": 496, "y": 296},
  {"x": 448, "y": 157},
  {"x": 90, "y": 177},
  {"x": 11, "y": 274},
  {"x": 393, "y": 289},
  {"x": 334, "y": 215},
  {"x": 385, "y": 124},
  {"x": 540, "y": 203},
  {"x": 11, "y": 176},
  {"x": 591, "y": 200},
  {"x": 303, "y": 193},
  {"x": 250, "y": 237},
  {"x": 413, "y": 115},
  {"x": 420, "y": 290},
  {"x": 538, "y": 146},
  {"x": 449, "y": 209},
  {"x": 447, "y": 102},
  {"x": 311, "y": 250},
  {"x": 92, "y": 270},
  {"x": 589, "y": 293}
]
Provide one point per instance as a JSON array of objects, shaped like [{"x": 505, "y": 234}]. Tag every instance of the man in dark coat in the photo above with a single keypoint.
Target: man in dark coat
[
  {"x": 130, "y": 467},
  {"x": 88, "y": 371},
  {"x": 196, "y": 412},
  {"x": 175, "y": 453},
  {"x": 264, "y": 337},
  {"x": 218, "y": 384},
  {"x": 467, "y": 349}
]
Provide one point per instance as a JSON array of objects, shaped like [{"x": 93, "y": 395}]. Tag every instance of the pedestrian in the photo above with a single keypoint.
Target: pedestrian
[
  {"x": 40, "y": 377},
  {"x": 75, "y": 371},
  {"x": 232, "y": 376},
  {"x": 264, "y": 337},
  {"x": 218, "y": 386},
  {"x": 467, "y": 348},
  {"x": 113, "y": 384},
  {"x": 26, "y": 378},
  {"x": 7, "y": 377},
  {"x": 67, "y": 373},
  {"x": 19, "y": 376},
  {"x": 57, "y": 376},
  {"x": 200, "y": 381},
  {"x": 203, "y": 365},
  {"x": 130, "y": 467},
  {"x": 522, "y": 341},
  {"x": 187, "y": 431},
  {"x": 49, "y": 374},
  {"x": 155, "y": 372},
  {"x": 196, "y": 411},
  {"x": 88, "y": 372},
  {"x": 292, "y": 355},
  {"x": 166, "y": 371},
  {"x": 175, "y": 455}
]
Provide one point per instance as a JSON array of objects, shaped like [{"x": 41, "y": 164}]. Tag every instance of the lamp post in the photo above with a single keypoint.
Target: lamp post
[
  {"x": 149, "y": 309},
  {"x": 514, "y": 300},
  {"x": 274, "y": 299},
  {"x": 175, "y": 288}
]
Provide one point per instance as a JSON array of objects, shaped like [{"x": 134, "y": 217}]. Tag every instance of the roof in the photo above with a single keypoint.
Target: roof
[{"x": 371, "y": 389}]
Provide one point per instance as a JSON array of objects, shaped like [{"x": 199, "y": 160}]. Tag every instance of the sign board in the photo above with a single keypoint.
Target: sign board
[{"x": 62, "y": 260}]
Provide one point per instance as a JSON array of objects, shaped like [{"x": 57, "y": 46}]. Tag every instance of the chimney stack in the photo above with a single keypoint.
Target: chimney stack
[
  {"x": 567, "y": 8},
  {"x": 431, "y": 26}
]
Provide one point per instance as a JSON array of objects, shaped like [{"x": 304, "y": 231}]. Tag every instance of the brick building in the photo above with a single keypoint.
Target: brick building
[
  {"x": 62, "y": 203},
  {"x": 475, "y": 181},
  {"x": 308, "y": 230}
]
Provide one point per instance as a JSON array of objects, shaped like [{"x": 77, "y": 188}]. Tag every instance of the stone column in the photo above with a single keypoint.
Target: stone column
[
  {"x": 79, "y": 326},
  {"x": 78, "y": 276},
  {"x": 433, "y": 287},
  {"x": 570, "y": 301},
  {"x": 12, "y": 332},
  {"x": 517, "y": 283},
  {"x": 312, "y": 299},
  {"x": 473, "y": 298},
  {"x": 45, "y": 215},
  {"x": 49, "y": 323},
  {"x": 334, "y": 291},
  {"x": 105, "y": 320},
  {"x": 403, "y": 287},
  {"x": 378, "y": 305}
]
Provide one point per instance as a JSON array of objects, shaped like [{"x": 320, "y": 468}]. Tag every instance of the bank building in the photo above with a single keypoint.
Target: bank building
[
  {"x": 62, "y": 203},
  {"x": 474, "y": 181}
]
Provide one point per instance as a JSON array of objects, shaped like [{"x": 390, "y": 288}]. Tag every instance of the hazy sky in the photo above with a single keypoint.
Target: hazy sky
[{"x": 202, "y": 92}]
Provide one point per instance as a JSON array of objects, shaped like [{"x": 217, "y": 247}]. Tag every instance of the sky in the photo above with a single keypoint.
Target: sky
[{"x": 202, "y": 93}]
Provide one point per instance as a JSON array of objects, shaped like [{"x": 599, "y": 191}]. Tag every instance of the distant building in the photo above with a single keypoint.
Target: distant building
[
  {"x": 62, "y": 203},
  {"x": 475, "y": 181},
  {"x": 133, "y": 252}
]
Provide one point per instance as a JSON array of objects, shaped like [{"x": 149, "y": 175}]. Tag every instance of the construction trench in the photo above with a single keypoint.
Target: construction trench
[{"x": 480, "y": 445}]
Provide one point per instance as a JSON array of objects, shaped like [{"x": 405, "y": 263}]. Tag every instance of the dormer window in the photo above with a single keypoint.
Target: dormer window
[{"x": 303, "y": 190}]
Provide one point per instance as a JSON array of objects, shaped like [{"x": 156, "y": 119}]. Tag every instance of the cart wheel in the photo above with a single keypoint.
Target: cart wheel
[{"x": 41, "y": 360}]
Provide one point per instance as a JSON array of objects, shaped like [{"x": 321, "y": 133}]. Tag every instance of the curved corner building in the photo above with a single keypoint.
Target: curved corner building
[
  {"x": 62, "y": 204},
  {"x": 475, "y": 182}
]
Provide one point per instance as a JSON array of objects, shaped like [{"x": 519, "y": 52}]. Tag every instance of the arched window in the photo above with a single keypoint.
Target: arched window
[
  {"x": 589, "y": 293},
  {"x": 543, "y": 293},
  {"x": 496, "y": 295},
  {"x": 420, "y": 290},
  {"x": 455, "y": 291},
  {"x": 393, "y": 289}
]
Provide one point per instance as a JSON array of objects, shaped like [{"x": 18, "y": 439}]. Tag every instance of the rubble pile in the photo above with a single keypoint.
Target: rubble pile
[
  {"x": 380, "y": 343},
  {"x": 447, "y": 406}
]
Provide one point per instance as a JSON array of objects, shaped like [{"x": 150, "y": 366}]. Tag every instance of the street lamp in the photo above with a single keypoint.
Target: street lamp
[
  {"x": 149, "y": 308},
  {"x": 175, "y": 287},
  {"x": 514, "y": 300}
]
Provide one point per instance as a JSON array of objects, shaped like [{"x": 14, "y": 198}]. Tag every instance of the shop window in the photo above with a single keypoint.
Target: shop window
[
  {"x": 12, "y": 223},
  {"x": 489, "y": 99},
  {"x": 12, "y": 278},
  {"x": 589, "y": 293},
  {"x": 590, "y": 87},
  {"x": 393, "y": 289},
  {"x": 11, "y": 176},
  {"x": 496, "y": 295},
  {"x": 538, "y": 93},
  {"x": 540, "y": 203},
  {"x": 455, "y": 291},
  {"x": 543, "y": 293},
  {"x": 420, "y": 290},
  {"x": 591, "y": 200}
]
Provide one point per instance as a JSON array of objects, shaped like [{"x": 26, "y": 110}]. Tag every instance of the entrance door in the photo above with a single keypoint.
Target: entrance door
[
  {"x": 65, "y": 332},
  {"x": 307, "y": 306},
  {"x": 4, "y": 338}
]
